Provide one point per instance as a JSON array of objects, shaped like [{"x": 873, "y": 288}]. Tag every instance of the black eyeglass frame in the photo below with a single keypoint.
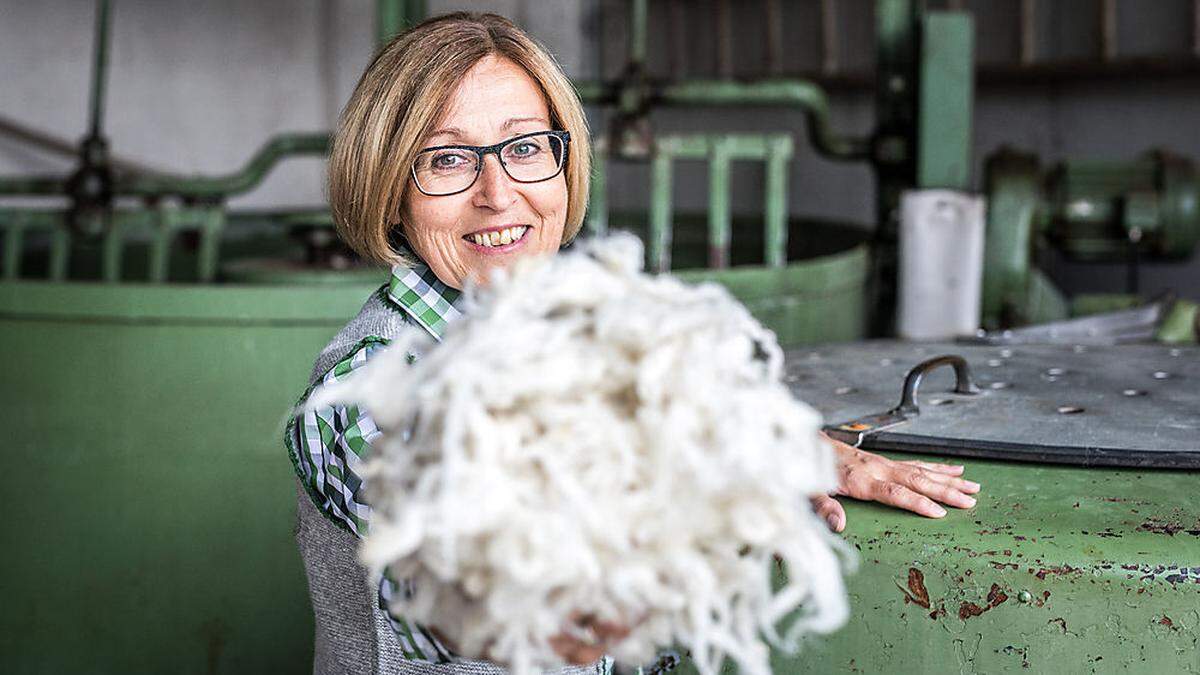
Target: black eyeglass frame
[{"x": 482, "y": 151}]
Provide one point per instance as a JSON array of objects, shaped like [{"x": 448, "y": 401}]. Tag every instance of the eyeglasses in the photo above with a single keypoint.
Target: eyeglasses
[{"x": 528, "y": 158}]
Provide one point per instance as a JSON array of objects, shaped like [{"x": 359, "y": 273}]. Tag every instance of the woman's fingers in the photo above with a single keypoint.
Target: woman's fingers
[
  {"x": 831, "y": 511},
  {"x": 960, "y": 484},
  {"x": 897, "y": 495},
  {"x": 950, "y": 469},
  {"x": 926, "y": 484},
  {"x": 913, "y": 485}
]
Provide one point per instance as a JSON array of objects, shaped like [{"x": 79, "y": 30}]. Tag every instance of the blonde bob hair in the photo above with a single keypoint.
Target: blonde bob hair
[{"x": 400, "y": 98}]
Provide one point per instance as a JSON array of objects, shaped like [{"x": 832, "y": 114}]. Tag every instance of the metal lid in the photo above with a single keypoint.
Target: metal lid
[{"x": 1125, "y": 405}]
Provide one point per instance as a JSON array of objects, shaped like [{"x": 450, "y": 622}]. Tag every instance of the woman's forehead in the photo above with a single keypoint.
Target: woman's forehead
[{"x": 494, "y": 100}]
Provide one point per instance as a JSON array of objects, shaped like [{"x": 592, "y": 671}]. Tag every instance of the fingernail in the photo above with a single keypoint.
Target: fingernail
[
  {"x": 939, "y": 511},
  {"x": 970, "y": 502},
  {"x": 973, "y": 484},
  {"x": 832, "y": 519}
]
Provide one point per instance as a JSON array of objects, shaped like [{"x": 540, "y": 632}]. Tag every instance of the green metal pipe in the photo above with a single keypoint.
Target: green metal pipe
[
  {"x": 60, "y": 253},
  {"x": 718, "y": 204},
  {"x": 32, "y": 185},
  {"x": 219, "y": 187},
  {"x": 638, "y": 11},
  {"x": 99, "y": 68},
  {"x": 659, "y": 246},
  {"x": 394, "y": 16},
  {"x": 211, "y": 225},
  {"x": 203, "y": 187},
  {"x": 806, "y": 96},
  {"x": 112, "y": 251},
  {"x": 160, "y": 245},
  {"x": 597, "y": 214},
  {"x": 720, "y": 151},
  {"x": 775, "y": 210},
  {"x": 14, "y": 236}
]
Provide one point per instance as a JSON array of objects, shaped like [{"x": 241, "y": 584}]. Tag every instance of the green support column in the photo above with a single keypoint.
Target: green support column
[
  {"x": 212, "y": 224},
  {"x": 718, "y": 204},
  {"x": 775, "y": 209},
  {"x": 659, "y": 246},
  {"x": 945, "y": 101},
  {"x": 60, "y": 252},
  {"x": 893, "y": 144},
  {"x": 160, "y": 245},
  {"x": 14, "y": 244},
  {"x": 112, "y": 250}
]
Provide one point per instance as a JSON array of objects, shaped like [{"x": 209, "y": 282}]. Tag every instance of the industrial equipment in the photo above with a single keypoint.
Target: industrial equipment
[{"x": 134, "y": 552}]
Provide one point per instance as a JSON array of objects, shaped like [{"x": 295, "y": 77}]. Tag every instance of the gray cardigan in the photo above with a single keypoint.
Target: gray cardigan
[{"x": 353, "y": 634}]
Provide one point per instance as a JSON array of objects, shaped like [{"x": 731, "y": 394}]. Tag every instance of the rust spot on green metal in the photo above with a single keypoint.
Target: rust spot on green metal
[
  {"x": 995, "y": 597},
  {"x": 916, "y": 586},
  {"x": 970, "y": 609},
  {"x": 1058, "y": 569}
]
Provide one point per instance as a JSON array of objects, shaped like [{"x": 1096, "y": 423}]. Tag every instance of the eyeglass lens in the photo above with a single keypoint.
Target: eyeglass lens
[{"x": 527, "y": 160}]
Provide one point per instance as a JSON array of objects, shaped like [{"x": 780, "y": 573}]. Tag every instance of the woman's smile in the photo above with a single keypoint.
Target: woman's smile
[{"x": 497, "y": 240}]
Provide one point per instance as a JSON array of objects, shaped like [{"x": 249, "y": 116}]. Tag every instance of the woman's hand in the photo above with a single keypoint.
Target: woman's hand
[
  {"x": 915, "y": 486},
  {"x": 581, "y": 652}
]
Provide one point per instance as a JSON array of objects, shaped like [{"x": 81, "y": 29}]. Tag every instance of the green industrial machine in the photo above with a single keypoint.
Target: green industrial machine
[
  {"x": 159, "y": 339},
  {"x": 1148, "y": 209}
]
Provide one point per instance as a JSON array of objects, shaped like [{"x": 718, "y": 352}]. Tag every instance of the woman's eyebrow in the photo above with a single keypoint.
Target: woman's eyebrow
[
  {"x": 455, "y": 132},
  {"x": 519, "y": 120}
]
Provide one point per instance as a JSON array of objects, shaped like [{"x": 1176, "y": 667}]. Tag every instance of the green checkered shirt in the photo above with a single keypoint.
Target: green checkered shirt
[{"x": 329, "y": 445}]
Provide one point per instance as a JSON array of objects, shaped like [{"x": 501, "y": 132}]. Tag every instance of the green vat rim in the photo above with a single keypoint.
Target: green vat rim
[
  {"x": 822, "y": 275},
  {"x": 181, "y": 303},
  {"x": 326, "y": 304}
]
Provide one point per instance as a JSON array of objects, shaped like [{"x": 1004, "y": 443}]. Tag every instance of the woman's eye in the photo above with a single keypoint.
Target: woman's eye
[
  {"x": 449, "y": 160},
  {"x": 525, "y": 149}
]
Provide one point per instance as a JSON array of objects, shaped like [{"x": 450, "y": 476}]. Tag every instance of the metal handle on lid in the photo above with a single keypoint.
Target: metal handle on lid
[{"x": 964, "y": 383}]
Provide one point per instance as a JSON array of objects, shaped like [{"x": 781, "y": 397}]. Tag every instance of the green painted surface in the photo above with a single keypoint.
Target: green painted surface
[
  {"x": 947, "y": 78},
  {"x": 149, "y": 516},
  {"x": 819, "y": 296},
  {"x": 818, "y": 301},
  {"x": 1056, "y": 569}
]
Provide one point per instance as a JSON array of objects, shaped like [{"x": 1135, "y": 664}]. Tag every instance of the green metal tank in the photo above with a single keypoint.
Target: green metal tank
[
  {"x": 150, "y": 508},
  {"x": 149, "y": 525}
]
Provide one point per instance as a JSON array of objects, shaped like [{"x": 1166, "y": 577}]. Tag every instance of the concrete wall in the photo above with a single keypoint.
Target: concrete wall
[{"x": 196, "y": 87}]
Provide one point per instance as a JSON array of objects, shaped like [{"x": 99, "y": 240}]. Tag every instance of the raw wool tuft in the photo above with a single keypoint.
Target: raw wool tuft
[{"x": 594, "y": 440}]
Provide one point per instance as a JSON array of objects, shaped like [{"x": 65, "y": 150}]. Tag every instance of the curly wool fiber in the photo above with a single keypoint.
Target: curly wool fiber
[{"x": 594, "y": 440}]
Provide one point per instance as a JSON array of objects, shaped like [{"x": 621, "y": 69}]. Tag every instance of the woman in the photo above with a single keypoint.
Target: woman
[{"x": 463, "y": 148}]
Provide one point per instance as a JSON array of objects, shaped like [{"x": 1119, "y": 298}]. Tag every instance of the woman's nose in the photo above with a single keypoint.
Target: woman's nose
[{"x": 495, "y": 189}]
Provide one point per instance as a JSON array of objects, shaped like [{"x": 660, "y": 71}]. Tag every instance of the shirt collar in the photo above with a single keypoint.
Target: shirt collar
[{"x": 424, "y": 297}]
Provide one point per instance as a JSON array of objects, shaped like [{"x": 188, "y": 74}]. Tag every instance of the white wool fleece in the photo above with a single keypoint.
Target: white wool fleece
[{"x": 595, "y": 440}]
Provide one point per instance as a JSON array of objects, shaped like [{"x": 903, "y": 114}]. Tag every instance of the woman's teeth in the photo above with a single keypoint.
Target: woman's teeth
[{"x": 499, "y": 237}]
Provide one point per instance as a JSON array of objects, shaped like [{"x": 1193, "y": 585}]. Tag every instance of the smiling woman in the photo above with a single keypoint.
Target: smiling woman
[{"x": 462, "y": 149}]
